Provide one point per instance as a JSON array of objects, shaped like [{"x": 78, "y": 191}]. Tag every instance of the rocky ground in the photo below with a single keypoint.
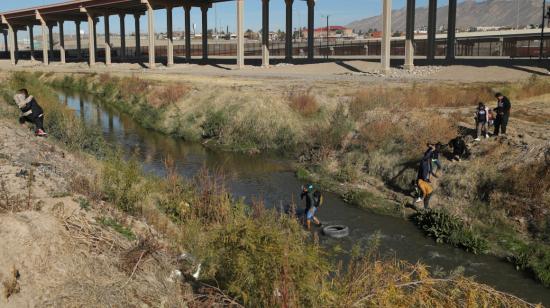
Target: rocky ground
[{"x": 61, "y": 249}]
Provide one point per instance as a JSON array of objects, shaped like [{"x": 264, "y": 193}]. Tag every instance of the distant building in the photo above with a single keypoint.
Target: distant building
[{"x": 333, "y": 31}]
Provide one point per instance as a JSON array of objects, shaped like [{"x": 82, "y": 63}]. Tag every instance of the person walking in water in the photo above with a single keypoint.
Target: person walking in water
[
  {"x": 424, "y": 184},
  {"x": 31, "y": 111},
  {"x": 313, "y": 199},
  {"x": 503, "y": 113},
  {"x": 482, "y": 119},
  {"x": 307, "y": 194}
]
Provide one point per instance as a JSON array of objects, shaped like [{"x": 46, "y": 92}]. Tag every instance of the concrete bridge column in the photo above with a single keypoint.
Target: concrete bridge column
[
  {"x": 151, "y": 32},
  {"x": 78, "y": 41},
  {"x": 31, "y": 41},
  {"x": 170, "y": 34},
  {"x": 62, "y": 41},
  {"x": 432, "y": 22},
  {"x": 204, "y": 11},
  {"x": 122, "y": 36},
  {"x": 94, "y": 26},
  {"x": 451, "y": 31},
  {"x": 11, "y": 44},
  {"x": 187, "y": 9},
  {"x": 138, "y": 36},
  {"x": 409, "y": 35},
  {"x": 240, "y": 34},
  {"x": 386, "y": 35},
  {"x": 310, "y": 29},
  {"x": 45, "y": 56},
  {"x": 15, "y": 46},
  {"x": 6, "y": 46},
  {"x": 107, "y": 39},
  {"x": 50, "y": 41},
  {"x": 288, "y": 34},
  {"x": 265, "y": 33},
  {"x": 91, "y": 39}
]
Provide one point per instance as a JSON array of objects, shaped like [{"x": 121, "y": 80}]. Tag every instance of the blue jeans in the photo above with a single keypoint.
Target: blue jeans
[{"x": 437, "y": 163}]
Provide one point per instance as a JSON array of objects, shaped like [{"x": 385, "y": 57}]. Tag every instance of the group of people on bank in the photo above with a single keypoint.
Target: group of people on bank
[{"x": 430, "y": 163}]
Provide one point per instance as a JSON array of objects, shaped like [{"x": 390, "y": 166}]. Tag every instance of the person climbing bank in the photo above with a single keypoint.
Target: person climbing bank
[
  {"x": 31, "y": 111},
  {"x": 423, "y": 182}
]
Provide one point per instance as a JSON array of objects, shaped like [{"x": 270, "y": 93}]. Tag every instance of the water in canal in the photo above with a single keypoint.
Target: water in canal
[{"x": 273, "y": 180}]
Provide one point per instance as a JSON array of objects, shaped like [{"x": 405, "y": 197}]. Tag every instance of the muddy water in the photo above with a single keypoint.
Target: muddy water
[{"x": 273, "y": 180}]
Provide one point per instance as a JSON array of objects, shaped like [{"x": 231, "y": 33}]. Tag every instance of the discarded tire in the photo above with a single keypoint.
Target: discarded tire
[{"x": 336, "y": 231}]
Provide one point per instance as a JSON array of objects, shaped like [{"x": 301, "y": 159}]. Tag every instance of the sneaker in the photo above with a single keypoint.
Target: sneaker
[
  {"x": 41, "y": 133},
  {"x": 486, "y": 136},
  {"x": 418, "y": 200},
  {"x": 477, "y": 139}
]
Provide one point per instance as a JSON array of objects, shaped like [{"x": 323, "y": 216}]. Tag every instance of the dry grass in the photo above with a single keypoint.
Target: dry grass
[
  {"x": 11, "y": 284},
  {"x": 304, "y": 102},
  {"x": 403, "y": 99},
  {"x": 163, "y": 95},
  {"x": 372, "y": 282}
]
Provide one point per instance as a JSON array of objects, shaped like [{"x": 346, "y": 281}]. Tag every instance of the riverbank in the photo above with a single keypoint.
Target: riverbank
[
  {"x": 230, "y": 241},
  {"x": 364, "y": 143}
]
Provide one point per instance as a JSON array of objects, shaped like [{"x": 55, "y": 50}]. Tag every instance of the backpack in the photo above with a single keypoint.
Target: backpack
[{"x": 318, "y": 197}]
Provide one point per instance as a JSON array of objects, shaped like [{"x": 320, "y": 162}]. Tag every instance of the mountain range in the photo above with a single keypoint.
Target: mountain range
[{"x": 470, "y": 13}]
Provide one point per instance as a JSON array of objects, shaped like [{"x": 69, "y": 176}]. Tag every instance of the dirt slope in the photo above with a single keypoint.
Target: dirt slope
[{"x": 54, "y": 243}]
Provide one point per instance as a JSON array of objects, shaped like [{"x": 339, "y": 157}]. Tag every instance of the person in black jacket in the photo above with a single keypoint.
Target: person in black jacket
[
  {"x": 459, "y": 147},
  {"x": 503, "y": 113},
  {"x": 31, "y": 111}
]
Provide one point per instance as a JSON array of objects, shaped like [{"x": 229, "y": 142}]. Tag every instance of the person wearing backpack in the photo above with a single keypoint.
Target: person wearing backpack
[
  {"x": 503, "y": 113},
  {"x": 310, "y": 215},
  {"x": 482, "y": 119}
]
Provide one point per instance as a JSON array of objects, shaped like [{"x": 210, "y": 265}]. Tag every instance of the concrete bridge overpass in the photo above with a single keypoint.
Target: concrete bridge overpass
[{"x": 49, "y": 17}]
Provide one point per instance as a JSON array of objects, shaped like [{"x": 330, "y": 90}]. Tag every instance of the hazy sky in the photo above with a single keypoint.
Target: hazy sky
[{"x": 224, "y": 14}]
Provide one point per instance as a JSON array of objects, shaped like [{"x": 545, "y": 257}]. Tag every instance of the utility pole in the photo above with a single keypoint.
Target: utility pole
[{"x": 541, "y": 51}]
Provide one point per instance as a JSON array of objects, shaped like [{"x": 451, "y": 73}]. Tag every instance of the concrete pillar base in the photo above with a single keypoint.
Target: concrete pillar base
[
  {"x": 265, "y": 56},
  {"x": 409, "y": 55}
]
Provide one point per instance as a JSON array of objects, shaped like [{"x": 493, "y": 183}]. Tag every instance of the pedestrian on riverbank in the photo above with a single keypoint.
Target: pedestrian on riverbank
[
  {"x": 31, "y": 111},
  {"x": 482, "y": 119},
  {"x": 424, "y": 183},
  {"x": 503, "y": 114},
  {"x": 435, "y": 159},
  {"x": 459, "y": 148}
]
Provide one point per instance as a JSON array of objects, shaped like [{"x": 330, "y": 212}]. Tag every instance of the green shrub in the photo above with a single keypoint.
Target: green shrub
[
  {"x": 123, "y": 184},
  {"x": 115, "y": 225},
  {"x": 213, "y": 124},
  {"x": 446, "y": 228},
  {"x": 535, "y": 258},
  {"x": 263, "y": 260}
]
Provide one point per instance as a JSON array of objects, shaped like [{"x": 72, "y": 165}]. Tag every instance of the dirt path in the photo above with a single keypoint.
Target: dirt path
[{"x": 356, "y": 71}]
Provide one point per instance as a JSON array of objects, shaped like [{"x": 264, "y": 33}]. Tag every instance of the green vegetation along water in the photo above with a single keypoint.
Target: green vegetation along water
[{"x": 272, "y": 180}]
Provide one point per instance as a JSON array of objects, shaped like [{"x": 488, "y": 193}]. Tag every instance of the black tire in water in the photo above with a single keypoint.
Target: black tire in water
[{"x": 336, "y": 231}]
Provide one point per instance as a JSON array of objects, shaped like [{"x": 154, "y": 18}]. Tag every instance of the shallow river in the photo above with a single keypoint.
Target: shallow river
[{"x": 273, "y": 180}]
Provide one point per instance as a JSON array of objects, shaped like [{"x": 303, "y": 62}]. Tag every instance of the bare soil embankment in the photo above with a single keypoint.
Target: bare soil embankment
[{"x": 58, "y": 248}]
